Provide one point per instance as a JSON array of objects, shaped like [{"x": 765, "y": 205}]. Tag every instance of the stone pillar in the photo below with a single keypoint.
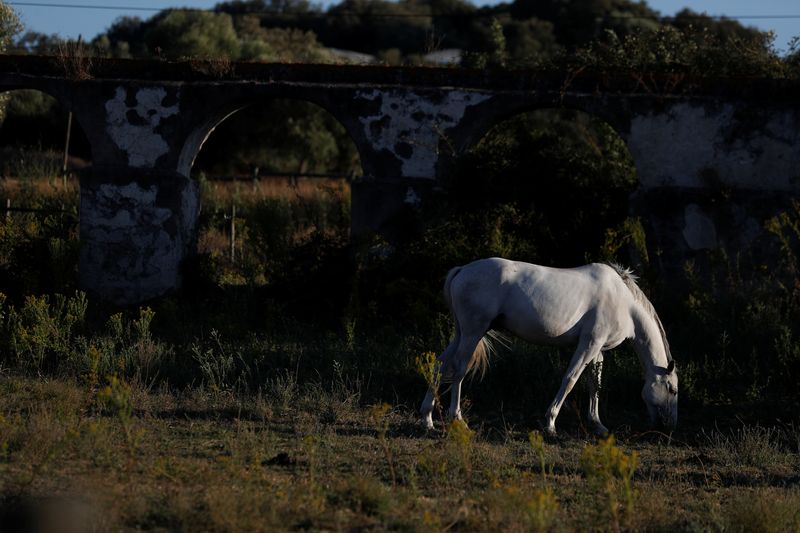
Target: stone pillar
[
  {"x": 136, "y": 228},
  {"x": 402, "y": 135},
  {"x": 138, "y": 215}
]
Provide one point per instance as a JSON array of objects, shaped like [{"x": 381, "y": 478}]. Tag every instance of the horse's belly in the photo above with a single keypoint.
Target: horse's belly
[{"x": 540, "y": 332}]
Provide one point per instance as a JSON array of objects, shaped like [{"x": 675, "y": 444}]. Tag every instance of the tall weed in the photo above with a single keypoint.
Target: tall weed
[
  {"x": 609, "y": 472},
  {"x": 43, "y": 332}
]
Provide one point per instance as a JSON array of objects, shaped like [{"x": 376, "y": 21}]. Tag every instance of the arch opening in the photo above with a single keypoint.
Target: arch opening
[
  {"x": 40, "y": 192},
  {"x": 558, "y": 182},
  {"x": 285, "y": 166}
]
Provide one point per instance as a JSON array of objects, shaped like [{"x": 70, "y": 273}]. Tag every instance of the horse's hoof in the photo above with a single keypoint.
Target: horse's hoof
[
  {"x": 426, "y": 424},
  {"x": 601, "y": 431}
]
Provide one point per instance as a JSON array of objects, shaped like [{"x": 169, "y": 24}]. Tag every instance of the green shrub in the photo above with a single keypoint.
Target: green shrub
[
  {"x": 609, "y": 472},
  {"x": 42, "y": 334}
]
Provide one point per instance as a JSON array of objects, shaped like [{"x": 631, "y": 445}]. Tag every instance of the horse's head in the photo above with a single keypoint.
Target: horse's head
[{"x": 660, "y": 394}]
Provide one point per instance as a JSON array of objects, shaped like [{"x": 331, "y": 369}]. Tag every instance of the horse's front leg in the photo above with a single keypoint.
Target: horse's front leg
[
  {"x": 427, "y": 409},
  {"x": 595, "y": 383},
  {"x": 587, "y": 351}
]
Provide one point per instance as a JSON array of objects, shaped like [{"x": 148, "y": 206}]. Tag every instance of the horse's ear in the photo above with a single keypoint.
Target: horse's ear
[{"x": 671, "y": 366}]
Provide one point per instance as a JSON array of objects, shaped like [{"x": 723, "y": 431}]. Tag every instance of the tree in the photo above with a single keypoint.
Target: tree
[
  {"x": 10, "y": 26},
  {"x": 124, "y": 39},
  {"x": 725, "y": 30},
  {"x": 279, "y": 136},
  {"x": 278, "y": 44},
  {"x": 32, "y": 42},
  {"x": 370, "y": 26},
  {"x": 529, "y": 41},
  {"x": 577, "y": 22},
  {"x": 185, "y": 33}
]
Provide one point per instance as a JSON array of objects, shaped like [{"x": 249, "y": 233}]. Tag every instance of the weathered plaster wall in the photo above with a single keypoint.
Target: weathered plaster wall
[
  {"x": 702, "y": 144},
  {"x": 711, "y": 174},
  {"x": 133, "y": 126},
  {"x": 410, "y": 125}
]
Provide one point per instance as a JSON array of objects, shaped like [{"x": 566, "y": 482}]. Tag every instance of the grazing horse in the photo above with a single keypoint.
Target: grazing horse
[{"x": 595, "y": 306}]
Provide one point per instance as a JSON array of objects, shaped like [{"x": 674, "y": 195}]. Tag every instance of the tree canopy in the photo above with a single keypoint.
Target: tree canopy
[
  {"x": 533, "y": 32},
  {"x": 10, "y": 26}
]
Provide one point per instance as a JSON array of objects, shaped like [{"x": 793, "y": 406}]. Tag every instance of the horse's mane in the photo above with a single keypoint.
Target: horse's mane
[{"x": 629, "y": 278}]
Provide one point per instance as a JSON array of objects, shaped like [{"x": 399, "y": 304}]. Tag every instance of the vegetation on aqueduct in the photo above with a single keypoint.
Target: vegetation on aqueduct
[{"x": 278, "y": 389}]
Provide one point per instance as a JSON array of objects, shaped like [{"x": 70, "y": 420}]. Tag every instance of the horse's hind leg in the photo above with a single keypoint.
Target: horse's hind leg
[
  {"x": 460, "y": 363},
  {"x": 594, "y": 395},
  {"x": 426, "y": 410}
]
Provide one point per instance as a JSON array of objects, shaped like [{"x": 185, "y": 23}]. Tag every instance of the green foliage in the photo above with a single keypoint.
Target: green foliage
[
  {"x": 628, "y": 234},
  {"x": 377, "y": 414},
  {"x": 10, "y": 26},
  {"x": 740, "y": 314},
  {"x": 41, "y": 333},
  {"x": 460, "y": 441},
  {"x": 692, "y": 50},
  {"x": 282, "y": 45},
  {"x": 609, "y": 471},
  {"x": 537, "y": 443},
  {"x": 515, "y": 507},
  {"x": 293, "y": 136},
  {"x": 218, "y": 364},
  {"x": 543, "y": 510},
  {"x": 429, "y": 368},
  {"x": 189, "y": 33},
  {"x": 116, "y": 397},
  {"x": 372, "y": 25},
  {"x": 361, "y": 494},
  {"x": 558, "y": 171}
]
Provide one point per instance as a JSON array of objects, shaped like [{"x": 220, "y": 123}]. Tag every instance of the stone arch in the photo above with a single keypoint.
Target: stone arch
[
  {"x": 554, "y": 161},
  {"x": 319, "y": 207},
  {"x": 202, "y": 130}
]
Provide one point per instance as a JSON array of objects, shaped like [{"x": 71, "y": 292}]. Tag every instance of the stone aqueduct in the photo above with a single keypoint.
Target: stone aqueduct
[{"x": 713, "y": 158}]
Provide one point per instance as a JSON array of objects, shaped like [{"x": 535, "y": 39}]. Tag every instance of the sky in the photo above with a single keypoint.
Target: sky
[{"x": 780, "y": 16}]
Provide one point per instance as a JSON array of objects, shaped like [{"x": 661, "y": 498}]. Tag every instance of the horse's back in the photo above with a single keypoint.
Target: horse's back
[{"x": 539, "y": 303}]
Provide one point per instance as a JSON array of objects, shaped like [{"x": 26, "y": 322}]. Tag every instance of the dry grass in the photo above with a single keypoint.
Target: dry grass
[
  {"x": 219, "y": 462},
  {"x": 251, "y": 192},
  {"x": 17, "y": 189},
  {"x": 76, "y": 58}
]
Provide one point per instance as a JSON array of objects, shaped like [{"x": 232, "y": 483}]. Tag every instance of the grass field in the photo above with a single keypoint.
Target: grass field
[
  {"x": 313, "y": 457},
  {"x": 238, "y": 406}
]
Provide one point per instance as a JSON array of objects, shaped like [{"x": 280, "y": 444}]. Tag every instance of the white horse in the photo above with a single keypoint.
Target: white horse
[{"x": 597, "y": 306}]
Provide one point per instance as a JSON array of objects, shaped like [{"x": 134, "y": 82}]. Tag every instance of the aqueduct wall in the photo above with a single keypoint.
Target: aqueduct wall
[{"x": 714, "y": 158}]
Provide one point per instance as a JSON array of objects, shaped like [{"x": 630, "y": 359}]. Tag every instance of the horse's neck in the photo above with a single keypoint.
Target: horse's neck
[{"x": 648, "y": 342}]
